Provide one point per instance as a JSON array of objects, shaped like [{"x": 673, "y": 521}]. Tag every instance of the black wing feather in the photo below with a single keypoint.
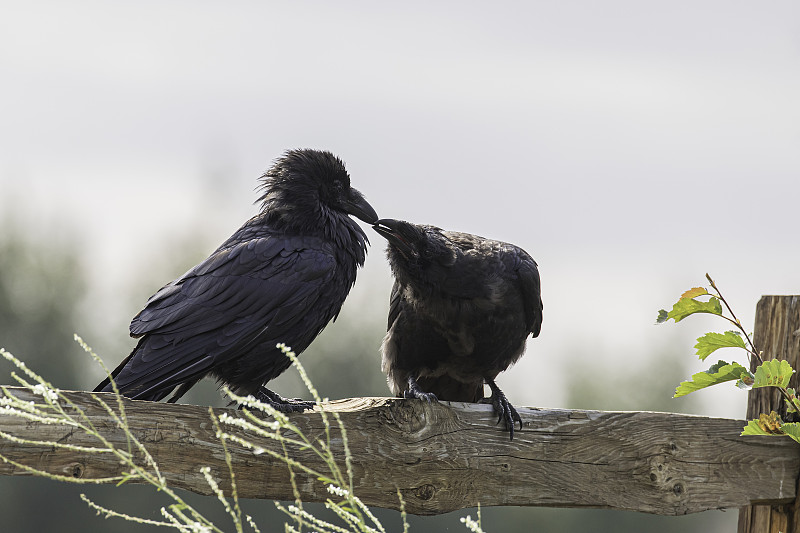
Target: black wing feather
[
  {"x": 254, "y": 292},
  {"x": 531, "y": 288},
  {"x": 394, "y": 304}
]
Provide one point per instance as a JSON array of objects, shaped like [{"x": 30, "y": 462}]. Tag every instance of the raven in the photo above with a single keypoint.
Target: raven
[
  {"x": 460, "y": 312},
  {"x": 280, "y": 278}
]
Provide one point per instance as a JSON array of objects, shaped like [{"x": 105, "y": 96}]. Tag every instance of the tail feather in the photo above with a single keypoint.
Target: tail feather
[
  {"x": 105, "y": 385},
  {"x": 156, "y": 381}
]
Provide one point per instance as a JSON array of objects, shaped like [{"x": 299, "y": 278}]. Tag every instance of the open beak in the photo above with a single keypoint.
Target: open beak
[
  {"x": 358, "y": 206},
  {"x": 391, "y": 230}
]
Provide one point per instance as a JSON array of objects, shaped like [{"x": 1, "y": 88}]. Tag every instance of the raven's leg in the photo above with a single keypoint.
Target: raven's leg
[
  {"x": 503, "y": 408},
  {"x": 414, "y": 391},
  {"x": 279, "y": 403}
]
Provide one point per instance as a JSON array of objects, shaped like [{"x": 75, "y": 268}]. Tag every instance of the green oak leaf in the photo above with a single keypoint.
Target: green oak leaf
[{"x": 711, "y": 342}]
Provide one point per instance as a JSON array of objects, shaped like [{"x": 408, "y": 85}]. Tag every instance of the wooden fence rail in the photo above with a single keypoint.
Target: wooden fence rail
[{"x": 449, "y": 456}]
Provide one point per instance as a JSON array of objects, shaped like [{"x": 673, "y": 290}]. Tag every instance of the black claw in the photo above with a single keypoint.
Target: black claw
[
  {"x": 430, "y": 397},
  {"x": 281, "y": 404},
  {"x": 414, "y": 391},
  {"x": 505, "y": 411},
  {"x": 420, "y": 395}
]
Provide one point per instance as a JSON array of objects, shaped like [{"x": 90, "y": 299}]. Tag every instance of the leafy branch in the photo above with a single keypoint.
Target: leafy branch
[{"x": 772, "y": 373}]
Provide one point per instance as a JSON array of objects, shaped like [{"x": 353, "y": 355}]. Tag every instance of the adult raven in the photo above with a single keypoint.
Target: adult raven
[
  {"x": 280, "y": 278},
  {"x": 461, "y": 310}
]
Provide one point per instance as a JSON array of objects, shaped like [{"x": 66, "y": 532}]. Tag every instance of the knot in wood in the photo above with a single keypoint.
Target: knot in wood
[
  {"x": 658, "y": 469},
  {"x": 407, "y": 415},
  {"x": 664, "y": 477},
  {"x": 425, "y": 492},
  {"x": 76, "y": 470}
]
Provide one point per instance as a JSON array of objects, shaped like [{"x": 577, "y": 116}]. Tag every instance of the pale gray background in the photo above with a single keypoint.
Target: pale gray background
[{"x": 629, "y": 146}]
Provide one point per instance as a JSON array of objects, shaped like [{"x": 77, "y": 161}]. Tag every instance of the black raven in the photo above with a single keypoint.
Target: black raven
[
  {"x": 461, "y": 309},
  {"x": 280, "y": 278}
]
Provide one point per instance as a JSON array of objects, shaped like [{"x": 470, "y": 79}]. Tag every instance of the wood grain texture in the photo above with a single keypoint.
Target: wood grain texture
[
  {"x": 776, "y": 336},
  {"x": 445, "y": 457}
]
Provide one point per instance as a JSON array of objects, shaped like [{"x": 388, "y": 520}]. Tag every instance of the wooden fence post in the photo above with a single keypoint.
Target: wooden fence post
[{"x": 777, "y": 335}]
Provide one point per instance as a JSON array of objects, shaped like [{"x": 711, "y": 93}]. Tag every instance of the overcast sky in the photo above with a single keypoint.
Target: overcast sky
[{"x": 628, "y": 146}]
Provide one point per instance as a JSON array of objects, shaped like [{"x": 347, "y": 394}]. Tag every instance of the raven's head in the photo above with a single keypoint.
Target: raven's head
[
  {"x": 417, "y": 253},
  {"x": 308, "y": 188}
]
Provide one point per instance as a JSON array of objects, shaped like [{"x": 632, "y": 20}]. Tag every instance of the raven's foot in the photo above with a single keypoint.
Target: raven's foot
[
  {"x": 414, "y": 391},
  {"x": 281, "y": 404},
  {"x": 505, "y": 411}
]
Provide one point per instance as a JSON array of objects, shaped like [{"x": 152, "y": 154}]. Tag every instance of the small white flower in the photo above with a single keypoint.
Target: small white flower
[
  {"x": 471, "y": 524},
  {"x": 50, "y": 394},
  {"x": 338, "y": 491}
]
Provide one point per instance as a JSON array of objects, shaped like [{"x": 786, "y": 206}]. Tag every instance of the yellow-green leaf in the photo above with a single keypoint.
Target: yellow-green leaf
[
  {"x": 745, "y": 380},
  {"x": 719, "y": 373},
  {"x": 766, "y": 424},
  {"x": 773, "y": 373},
  {"x": 711, "y": 342},
  {"x": 694, "y": 292},
  {"x": 793, "y": 403},
  {"x": 687, "y": 306},
  {"x": 792, "y": 429},
  {"x": 752, "y": 428}
]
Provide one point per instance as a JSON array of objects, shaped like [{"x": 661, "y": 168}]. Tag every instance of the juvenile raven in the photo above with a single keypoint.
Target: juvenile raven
[
  {"x": 280, "y": 278},
  {"x": 461, "y": 309}
]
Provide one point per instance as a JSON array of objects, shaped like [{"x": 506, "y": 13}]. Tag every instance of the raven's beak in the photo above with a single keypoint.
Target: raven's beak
[
  {"x": 391, "y": 231},
  {"x": 358, "y": 206}
]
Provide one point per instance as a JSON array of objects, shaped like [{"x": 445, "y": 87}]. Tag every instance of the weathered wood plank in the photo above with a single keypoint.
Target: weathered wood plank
[
  {"x": 452, "y": 456},
  {"x": 777, "y": 335}
]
